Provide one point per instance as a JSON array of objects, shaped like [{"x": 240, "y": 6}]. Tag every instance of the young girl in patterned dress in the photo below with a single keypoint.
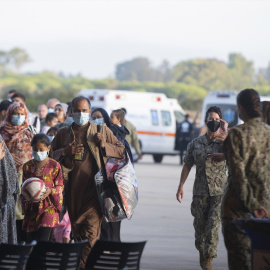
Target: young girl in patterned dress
[{"x": 40, "y": 218}]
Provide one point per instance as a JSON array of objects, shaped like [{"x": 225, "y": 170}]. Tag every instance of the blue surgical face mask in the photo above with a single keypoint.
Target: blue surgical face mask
[
  {"x": 17, "y": 120},
  {"x": 50, "y": 110},
  {"x": 39, "y": 156},
  {"x": 81, "y": 118},
  {"x": 50, "y": 138},
  {"x": 69, "y": 120},
  {"x": 98, "y": 121}
]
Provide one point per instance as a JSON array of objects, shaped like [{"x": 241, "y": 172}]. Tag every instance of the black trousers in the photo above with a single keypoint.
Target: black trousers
[
  {"x": 110, "y": 231},
  {"x": 21, "y": 235},
  {"x": 42, "y": 234}
]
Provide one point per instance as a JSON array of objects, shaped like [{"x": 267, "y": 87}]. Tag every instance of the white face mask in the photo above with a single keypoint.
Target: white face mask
[
  {"x": 81, "y": 118},
  {"x": 98, "y": 121},
  {"x": 17, "y": 120},
  {"x": 39, "y": 156},
  {"x": 69, "y": 120},
  {"x": 50, "y": 110},
  {"x": 50, "y": 138}
]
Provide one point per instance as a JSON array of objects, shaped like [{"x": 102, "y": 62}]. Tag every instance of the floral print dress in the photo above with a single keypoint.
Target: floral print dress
[{"x": 44, "y": 213}]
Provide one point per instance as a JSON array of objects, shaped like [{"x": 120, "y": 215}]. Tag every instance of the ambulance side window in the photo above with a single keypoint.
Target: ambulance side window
[
  {"x": 154, "y": 116},
  {"x": 166, "y": 118},
  {"x": 179, "y": 116}
]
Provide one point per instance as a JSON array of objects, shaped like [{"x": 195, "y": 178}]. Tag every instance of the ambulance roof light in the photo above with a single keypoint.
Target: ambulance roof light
[
  {"x": 91, "y": 97},
  {"x": 101, "y": 98},
  {"x": 223, "y": 95}
]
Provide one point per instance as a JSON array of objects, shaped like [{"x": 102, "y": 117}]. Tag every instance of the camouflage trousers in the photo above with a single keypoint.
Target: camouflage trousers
[
  {"x": 238, "y": 246},
  {"x": 206, "y": 213}
]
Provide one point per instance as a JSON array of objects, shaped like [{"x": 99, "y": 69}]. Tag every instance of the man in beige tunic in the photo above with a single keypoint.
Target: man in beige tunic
[{"x": 76, "y": 148}]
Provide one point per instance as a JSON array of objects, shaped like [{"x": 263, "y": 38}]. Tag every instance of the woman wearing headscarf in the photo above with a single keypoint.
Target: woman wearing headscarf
[
  {"x": 15, "y": 133},
  {"x": 61, "y": 112},
  {"x": 9, "y": 189},
  {"x": 110, "y": 231},
  {"x": 99, "y": 116}
]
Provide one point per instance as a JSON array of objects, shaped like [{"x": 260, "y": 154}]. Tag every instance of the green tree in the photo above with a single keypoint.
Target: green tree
[
  {"x": 265, "y": 73},
  {"x": 18, "y": 57},
  {"x": 206, "y": 73},
  {"x": 3, "y": 58},
  {"x": 241, "y": 71},
  {"x": 15, "y": 58},
  {"x": 137, "y": 69}
]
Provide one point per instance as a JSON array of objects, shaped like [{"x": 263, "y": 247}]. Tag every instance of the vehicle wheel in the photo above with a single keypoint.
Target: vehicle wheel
[{"x": 157, "y": 158}]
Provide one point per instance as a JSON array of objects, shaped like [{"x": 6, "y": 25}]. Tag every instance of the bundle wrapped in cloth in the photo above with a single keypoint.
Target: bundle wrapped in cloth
[{"x": 118, "y": 190}]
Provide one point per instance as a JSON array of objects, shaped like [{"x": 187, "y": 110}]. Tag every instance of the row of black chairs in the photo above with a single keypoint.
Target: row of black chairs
[{"x": 60, "y": 256}]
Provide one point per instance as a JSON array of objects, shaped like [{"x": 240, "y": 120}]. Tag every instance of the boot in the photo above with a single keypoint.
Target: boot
[{"x": 208, "y": 264}]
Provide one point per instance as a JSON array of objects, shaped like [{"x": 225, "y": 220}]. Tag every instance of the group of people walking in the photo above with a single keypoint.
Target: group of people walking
[
  {"x": 66, "y": 157},
  {"x": 245, "y": 193}
]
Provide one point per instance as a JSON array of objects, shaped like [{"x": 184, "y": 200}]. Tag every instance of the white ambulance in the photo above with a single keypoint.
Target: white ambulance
[
  {"x": 153, "y": 114},
  {"x": 226, "y": 101}
]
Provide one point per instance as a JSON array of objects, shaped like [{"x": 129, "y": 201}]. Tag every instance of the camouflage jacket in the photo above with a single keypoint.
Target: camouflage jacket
[
  {"x": 247, "y": 151},
  {"x": 210, "y": 177},
  {"x": 132, "y": 138}
]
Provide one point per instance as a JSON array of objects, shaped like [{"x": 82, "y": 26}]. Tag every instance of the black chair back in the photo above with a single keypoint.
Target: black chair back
[
  {"x": 55, "y": 256},
  {"x": 115, "y": 256},
  {"x": 14, "y": 256}
]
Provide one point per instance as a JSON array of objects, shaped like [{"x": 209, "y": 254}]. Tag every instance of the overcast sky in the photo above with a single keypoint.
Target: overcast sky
[{"x": 91, "y": 37}]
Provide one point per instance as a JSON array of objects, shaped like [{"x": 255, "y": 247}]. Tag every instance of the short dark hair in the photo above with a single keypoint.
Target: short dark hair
[
  {"x": 120, "y": 114},
  {"x": 42, "y": 138},
  {"x": 50, "y": 117},
  {"x": 124, "y": 109},
  {"x": 214, "y": 109},
  {"x": 19, "y": 95},
  {"x": 54, "y": 129},
  {"x": 4, "y": 105},
  {"x": 250, "y": 100},
  {"x": 11, "y": 91},
  {"x": 78, "y": 99}
]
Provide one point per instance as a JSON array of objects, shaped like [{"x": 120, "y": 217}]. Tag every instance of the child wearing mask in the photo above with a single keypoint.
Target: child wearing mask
[
  {"x": 51, "y": 120},
  {"x": 51, "y": 133},
  {"x": 41, "y": 217}
]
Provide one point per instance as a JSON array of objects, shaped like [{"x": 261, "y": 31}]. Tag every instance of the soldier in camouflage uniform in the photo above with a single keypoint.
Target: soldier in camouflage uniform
[
  {"x": 206, "y": 153},
  {"x": 247, "y": 151}
]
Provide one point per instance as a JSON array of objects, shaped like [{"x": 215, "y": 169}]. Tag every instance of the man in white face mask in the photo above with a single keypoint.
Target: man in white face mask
[
  {"x": 51, "y": 104},
  {"x": 76, "y": 148}
]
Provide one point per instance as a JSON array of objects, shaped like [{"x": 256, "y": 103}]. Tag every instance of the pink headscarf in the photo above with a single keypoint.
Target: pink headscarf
[{"x": 17, "y": 138}]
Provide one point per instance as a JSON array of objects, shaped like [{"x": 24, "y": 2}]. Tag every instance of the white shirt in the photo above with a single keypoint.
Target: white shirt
[{"x": 32, "y": 118}]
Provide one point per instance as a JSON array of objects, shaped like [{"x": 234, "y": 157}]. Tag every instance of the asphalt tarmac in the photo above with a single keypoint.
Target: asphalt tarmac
[{"x": 163, "y": 222}]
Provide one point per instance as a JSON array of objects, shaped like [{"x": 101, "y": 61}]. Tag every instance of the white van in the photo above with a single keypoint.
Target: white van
[
  {"x": 153, "y": 114},
  {"x": 226, "y": 101}
]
